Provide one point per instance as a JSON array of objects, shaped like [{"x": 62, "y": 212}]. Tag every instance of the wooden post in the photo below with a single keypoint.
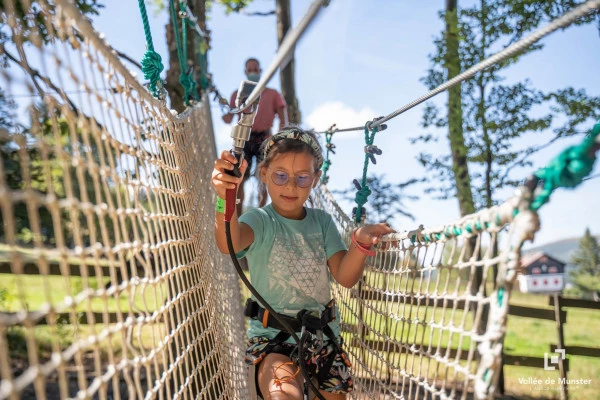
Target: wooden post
[
  {"x": 561, "y": 345},
  {"x": 501, "y": 377}
]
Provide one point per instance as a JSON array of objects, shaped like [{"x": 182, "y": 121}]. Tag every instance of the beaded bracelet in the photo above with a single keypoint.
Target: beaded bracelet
[{"x": 360, "y": 247}]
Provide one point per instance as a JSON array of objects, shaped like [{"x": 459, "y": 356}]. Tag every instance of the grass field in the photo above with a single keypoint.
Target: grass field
[
  {"x": 532, "y": 337},
  {"x": 525, "y": 336}
]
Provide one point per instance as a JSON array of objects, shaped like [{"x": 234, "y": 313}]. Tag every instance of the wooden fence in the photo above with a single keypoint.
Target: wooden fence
[{"x": 559, "y": 316}]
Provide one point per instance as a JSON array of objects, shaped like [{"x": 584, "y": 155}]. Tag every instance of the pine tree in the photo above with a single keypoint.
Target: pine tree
[{"x": 586, "y": 277}]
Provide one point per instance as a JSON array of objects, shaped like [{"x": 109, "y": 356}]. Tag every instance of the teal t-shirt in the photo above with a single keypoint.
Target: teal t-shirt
[{"x": 288, "y": 262}]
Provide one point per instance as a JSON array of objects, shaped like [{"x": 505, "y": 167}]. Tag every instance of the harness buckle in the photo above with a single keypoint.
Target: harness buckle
[
  {"x": 329, "y": 311},
  {"x": 345, "y": 359},
  {"x": 318, "y": 343},
  {"x": 255, "y": 360}
]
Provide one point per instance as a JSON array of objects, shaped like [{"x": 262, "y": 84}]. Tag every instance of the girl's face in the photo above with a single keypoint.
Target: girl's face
[{"x": 289, "y": 179}]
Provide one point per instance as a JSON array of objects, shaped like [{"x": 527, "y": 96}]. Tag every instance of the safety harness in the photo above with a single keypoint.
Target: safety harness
[{"x": 304, "y": 322}]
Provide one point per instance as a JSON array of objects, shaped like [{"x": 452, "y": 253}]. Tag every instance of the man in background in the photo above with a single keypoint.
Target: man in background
[{"x": 271, "y": 103}]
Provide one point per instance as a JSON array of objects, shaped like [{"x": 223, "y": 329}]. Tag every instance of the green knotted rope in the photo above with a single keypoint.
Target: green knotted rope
[
  {"x": 185, "y": 78},
  {"x": 363, "y": 193},
  {"x": 568, "y": 169},
  {"x": 327, "y": 162},
  {"x": 151, "y": 62}
]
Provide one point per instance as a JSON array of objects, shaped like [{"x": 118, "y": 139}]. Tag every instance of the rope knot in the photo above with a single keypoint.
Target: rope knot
[
  {"x": 362, "y": 196},
  {"x": 152, "y": 67},
  {"x": 189, "y": 85},
  {"x": 568, "y": 169}
]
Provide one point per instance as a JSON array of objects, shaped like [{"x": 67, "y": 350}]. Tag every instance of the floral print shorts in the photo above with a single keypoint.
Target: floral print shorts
[{"x": 337, "y": 380}]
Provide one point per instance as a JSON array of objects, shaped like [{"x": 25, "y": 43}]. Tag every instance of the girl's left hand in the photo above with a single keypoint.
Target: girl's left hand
[{"x": 369, "y": 235}]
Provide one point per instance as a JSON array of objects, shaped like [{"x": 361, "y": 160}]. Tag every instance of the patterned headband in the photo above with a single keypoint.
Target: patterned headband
[{"x": 297, "y": 135}]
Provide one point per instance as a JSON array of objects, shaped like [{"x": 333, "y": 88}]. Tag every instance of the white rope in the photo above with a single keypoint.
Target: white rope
[
  {"x": 511, "y": 50},
  {"x": 561, "y": 22}
]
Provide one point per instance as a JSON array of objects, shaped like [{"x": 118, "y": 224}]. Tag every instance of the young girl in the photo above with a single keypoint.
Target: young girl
[{"x": 292, "y": 252}]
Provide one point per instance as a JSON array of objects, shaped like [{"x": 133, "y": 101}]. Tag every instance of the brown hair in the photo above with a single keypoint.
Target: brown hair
[
  {"x": 284, "y": 146},
  {"x": 251, "y": 59}
]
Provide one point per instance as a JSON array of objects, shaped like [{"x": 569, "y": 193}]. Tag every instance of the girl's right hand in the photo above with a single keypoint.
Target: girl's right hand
[{"x": 220, "y": 179}]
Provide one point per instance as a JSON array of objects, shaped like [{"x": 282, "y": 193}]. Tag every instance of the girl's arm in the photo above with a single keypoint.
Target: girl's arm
[
  {"x": 242, "y": 235},
  {"x": 347, "y": 267}
]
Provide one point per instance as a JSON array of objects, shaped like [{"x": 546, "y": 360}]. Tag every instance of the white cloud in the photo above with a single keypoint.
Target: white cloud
[{"x": 340, "y": 114}]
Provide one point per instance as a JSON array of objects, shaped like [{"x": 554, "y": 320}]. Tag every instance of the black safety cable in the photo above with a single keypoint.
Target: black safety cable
[{"x": 272, "y": 312}]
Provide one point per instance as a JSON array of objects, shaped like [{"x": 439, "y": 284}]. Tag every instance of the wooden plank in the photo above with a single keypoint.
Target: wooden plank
[
  {"x": 526, "y": 361},
  {"x": 29, "y": 258},
  {"x": 561, "y": 345},
  {"x": 576, "y": 303},
  {"x": 65, "y": 318},
  {"x": 579, "y": 350},
  {"x": 390, "y": 347},
  {"x": 537, "y": 313},
  {"x": 372, "y": 295},
  {"x": 54, "y": 269}
]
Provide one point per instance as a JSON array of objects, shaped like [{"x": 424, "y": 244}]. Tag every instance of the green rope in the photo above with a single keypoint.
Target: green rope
[
  {"x": 151, "y": 62},
  {"x": 327, "y": 163},
  {"x": 500, "y": 296},
  {"x": 568, "y": 169},
  {"x": 363, "y": 190},
  {"x": 186, "y": 79}
]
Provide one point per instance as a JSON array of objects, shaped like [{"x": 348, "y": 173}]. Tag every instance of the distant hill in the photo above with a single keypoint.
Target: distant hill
[{"x": 562, "y": 249}]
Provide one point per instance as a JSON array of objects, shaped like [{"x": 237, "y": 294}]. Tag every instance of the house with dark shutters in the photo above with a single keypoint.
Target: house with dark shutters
[{"x": 541, "y": 273}]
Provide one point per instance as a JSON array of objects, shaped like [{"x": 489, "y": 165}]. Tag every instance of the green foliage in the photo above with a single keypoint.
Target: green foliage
[
  {"x": 586, "y": 278},
  {"x": 157, "y": 5},
  {"x": 5, "y": 298},
  {"x": 31, "y": 162},
  {"x": 231, "y": 6},
  {"x": 387, "y": 200},
  {"x": 496, "y": 115}
]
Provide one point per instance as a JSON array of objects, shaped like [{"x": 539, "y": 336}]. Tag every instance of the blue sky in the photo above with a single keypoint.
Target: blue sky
[{"x": 364, "y": 59}]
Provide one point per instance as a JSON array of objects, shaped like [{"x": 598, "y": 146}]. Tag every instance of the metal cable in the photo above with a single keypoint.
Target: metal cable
[
  {"x": 511, "y": 50},
  {"x": 287, "y": 45}
]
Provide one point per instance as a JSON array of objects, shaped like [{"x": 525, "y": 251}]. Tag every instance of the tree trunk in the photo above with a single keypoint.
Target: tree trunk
[
  {"x": 174, "y": 88},
  {"x": 458, "y": 148},
  {"x": 455, "y": 128},
  {"x": 286, "y": 74}
]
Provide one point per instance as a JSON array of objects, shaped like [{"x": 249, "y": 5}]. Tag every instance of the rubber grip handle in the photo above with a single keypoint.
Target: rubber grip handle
[
  {"x": 230, "y": 201},
  {"x": 231, "y": 194}
]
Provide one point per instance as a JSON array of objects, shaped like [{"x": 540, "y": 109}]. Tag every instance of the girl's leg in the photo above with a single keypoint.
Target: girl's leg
[{"x": 275, "y": 385}]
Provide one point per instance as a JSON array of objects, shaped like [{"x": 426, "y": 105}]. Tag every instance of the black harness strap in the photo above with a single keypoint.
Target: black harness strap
[{"x": 303, "y": 321}]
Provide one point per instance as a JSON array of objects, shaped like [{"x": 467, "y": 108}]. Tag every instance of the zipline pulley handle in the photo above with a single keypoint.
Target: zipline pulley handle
[{"x": 240, "y": 134}]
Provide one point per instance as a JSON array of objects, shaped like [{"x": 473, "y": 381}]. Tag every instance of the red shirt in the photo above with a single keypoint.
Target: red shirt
[{"x": 270, "y": 101}]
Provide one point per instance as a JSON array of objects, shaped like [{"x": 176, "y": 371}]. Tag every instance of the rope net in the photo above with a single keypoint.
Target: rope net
[
  {"x": 427, "y": 319},
  {"x": 111, "y": 285}
]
